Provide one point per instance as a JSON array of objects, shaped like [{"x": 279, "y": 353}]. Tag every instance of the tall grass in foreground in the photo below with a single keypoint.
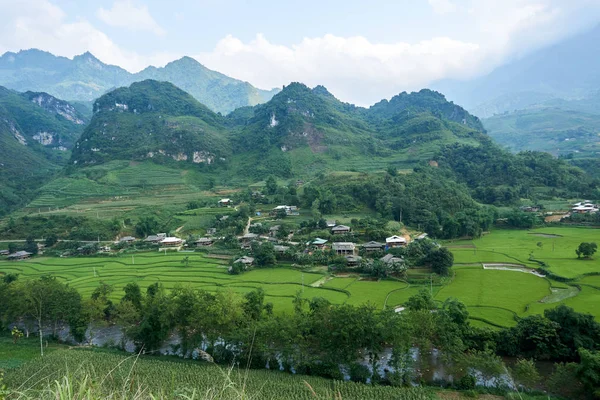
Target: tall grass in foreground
[{"x": 95, "y": 375}]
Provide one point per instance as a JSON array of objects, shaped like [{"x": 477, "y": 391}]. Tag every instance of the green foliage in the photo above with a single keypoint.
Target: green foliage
[
  {"x": 421, "y": 301},
  {"x": 440, "y": 260},
  {"x": 586, "y": 250}
]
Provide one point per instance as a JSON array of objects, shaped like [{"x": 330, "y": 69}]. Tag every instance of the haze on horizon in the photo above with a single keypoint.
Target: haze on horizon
[{"x": 361, "y": 53}]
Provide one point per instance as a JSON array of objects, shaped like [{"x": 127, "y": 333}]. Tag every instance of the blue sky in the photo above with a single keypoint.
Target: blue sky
[{"x": 362, "y": 51}]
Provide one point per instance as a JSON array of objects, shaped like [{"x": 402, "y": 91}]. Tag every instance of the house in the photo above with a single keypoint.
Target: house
[
  {"x": 340, "y": 229},
  {"x": 395, "y": 241},
  {"x": 19, "y": 255},
  {"x": 171, "y": 242},
  {"x": 225, "y": 203},
  {"x": 353, "y": 261},
  {"x": 318, "y": 243},
  {"x": 245, "y": 260},
  {"x": 4, "y": 252},
  {"x": 289, "y": 210},
  {"x": 331, "y": 223},
  {"x": 373, "y": 246},
  {"x": 530, "y": 208},
  {"x": 155, "y": 238},
  {"x": 422, "y": 236},
  {"x": 344, "y": 248},
  {"x": 273, "y": 230},
  {"x": 211, "y": 231},
  {"x": 247, "y": 240},
  {"x": 280, "y": 249},
  {"x": 205, "y": 241},
  {"x": 127, "y": 239},
  {"x": 390, "y": 259},
  {"x": 224, "y": 218},
  {"x": 585, "y": 208}
]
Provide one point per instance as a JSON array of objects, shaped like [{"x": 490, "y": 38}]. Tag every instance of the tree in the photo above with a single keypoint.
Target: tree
[
  {"x": 133, "y": 294},
  {"x": 271, "y": 185},
  {"x": 264, "y": 254},
  {"x": 13, "y": 247},
  {"x": 31, "y": 245},
  {"x": 51, "y": 240},
  {"x": 146, "y": 226},
  {"x": 421, "y": 301},
  {"x": 586, "y": 249},
  {"x": 525, "y": 373},
  {"x": 440, "y": 260},
  {"x": 588, "y": 371}
]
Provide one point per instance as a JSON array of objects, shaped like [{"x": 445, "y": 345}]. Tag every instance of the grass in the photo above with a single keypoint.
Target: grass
[
  {"x": 97, "y": 374},
  {"x": 501, "y": 294},
  {"x": 517, "y": 246},
  {"x": 12, "y": 355}
]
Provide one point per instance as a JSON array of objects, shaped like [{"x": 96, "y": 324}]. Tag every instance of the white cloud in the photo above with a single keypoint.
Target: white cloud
[
  {"x": 442, "y": 6},
  {"x": 42, "y": 25},
  {"x": 361, "y": 71},
  {"x": 352, "y": 68},
  {"x": 125, "y": 14}
]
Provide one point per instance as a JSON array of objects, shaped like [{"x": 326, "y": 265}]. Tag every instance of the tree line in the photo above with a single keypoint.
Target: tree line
[{"x": 317, "y": 338}]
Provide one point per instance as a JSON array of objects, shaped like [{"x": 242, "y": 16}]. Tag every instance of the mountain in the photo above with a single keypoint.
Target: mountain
[
  {"x": 299, "y": 132},
  {"x": 566, "y": 70},
  {"x": 36, "y": 133},
  {"x": 155, "y": 120},
  {"x": 85, "y": 78}
]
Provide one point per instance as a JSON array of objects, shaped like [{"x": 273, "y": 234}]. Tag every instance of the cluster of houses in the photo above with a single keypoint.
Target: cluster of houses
[
  {"x": 289, "y": 210},
  {"x": 584, "y": 207},
  {"x": 349, "y": 250},
  {"x": 160, "y": 239}
]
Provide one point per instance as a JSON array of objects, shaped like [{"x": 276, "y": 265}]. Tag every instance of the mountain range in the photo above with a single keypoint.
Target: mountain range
[
  {"x": 299, "y": 132},
  {"x": 85, "y": 78}
]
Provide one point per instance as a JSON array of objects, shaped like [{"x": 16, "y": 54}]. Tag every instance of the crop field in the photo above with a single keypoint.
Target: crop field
[
  {"x": 496, "y": 296},
  {"x": 280, "y": 284},
  {"x": 553, "y": 246},
  {"x": 169, "y": 378}
]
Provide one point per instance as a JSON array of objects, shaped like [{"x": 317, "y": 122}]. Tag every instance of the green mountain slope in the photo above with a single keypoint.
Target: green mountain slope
[
  {"x": 302, "y": 131},
  {"x": 553, "y": 130},
  {"x": 36, "y": 133},
  {"x": 86, "y": 78},
  {"x": 151, "y": 120}
]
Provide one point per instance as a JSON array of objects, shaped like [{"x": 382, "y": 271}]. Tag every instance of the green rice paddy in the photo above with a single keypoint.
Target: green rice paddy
[{"x": 493, "y": 297}]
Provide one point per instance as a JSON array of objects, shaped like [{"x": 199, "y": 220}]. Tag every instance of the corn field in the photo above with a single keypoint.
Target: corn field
[{"x": 86, "y": 374}]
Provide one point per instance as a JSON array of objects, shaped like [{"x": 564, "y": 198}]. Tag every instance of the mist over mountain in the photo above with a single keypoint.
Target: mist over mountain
[
  {"x": 85, "y": 78},
  {"x": 566, "y": 70}
]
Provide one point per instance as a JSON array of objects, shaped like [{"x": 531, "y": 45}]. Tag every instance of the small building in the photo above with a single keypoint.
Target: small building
[
  {"x": 289, "y": 210},
  {"x": 318, "y": 243},
  {"x": 4, "y": 252},
  {"x": 225, "y": 203},
  {"x": 373, "y": 246},
  {"x": 171, "y": 242},
  {"x": 274, "y": 230},
  {"x": 280, "y": 249},
  {"x": 127, "y": 239},
  {"x": 245, "y": 260},
  {"x": 390, "y": 260},
  {"x": 155, "y": 238},
  {"x": 530, "y": 208},
  {"x": 211, "y": 231},
  {"x": 247, "y": 240},
  {"x": 331, "y": 223},
  {"x": 585, "y": 208},
  {"x": 344, "y": 248},
  {"x": 19, "y": 255},
  {"x": 353, "y": 261},
  {"x": 422, "y": 236},
  {"x": 205, "y": 241},
  {"x": 395, "y": 241},
  {"x": 340, "y": 229}
]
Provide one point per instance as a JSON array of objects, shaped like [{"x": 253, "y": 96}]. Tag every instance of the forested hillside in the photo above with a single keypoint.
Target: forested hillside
[{"x": 37, "y": 132}]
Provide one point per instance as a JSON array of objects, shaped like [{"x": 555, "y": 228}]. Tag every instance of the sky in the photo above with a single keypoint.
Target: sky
[{"x": 362, "y": 51}]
